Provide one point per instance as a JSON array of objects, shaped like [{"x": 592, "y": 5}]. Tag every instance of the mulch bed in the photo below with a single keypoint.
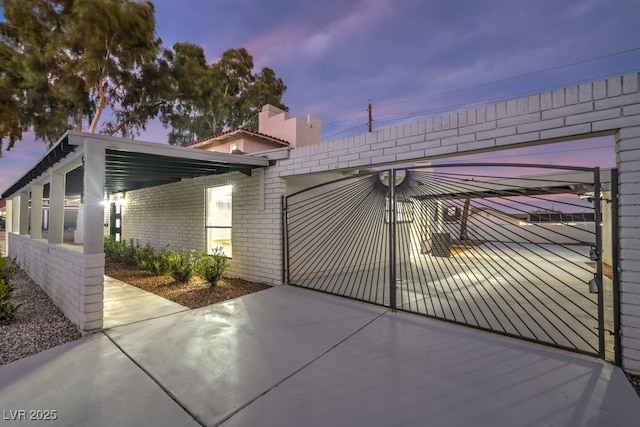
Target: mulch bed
[{"x": 194, "y": 294}]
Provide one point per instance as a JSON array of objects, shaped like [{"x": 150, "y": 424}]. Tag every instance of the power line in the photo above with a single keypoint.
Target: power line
[
  {"x": 424, "y": 112},
  {"x": 559, "y": 67},
  {"x": 494, "y": 99},
  {"x": 468, "y": 105}
]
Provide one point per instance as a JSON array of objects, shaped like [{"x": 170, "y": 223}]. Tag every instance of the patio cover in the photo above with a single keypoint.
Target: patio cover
[{"x": 132, "y": 165}]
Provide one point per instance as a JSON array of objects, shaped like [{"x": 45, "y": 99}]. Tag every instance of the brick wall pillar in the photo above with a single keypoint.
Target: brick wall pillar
[{"x": 628, "y": 160}]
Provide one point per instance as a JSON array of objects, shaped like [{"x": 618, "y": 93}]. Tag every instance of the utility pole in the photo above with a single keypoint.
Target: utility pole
[{"x": 369, "y": 110}]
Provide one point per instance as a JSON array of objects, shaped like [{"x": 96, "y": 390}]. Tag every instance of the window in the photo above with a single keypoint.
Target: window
[{"x": 218, "y": 219}]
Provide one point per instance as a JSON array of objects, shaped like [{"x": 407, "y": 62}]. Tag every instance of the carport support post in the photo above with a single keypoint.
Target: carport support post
[
  {"x": 23, "y": 221},
  {"x": 392, "y": 239},
  {"x": 56, "y": 207},
  {"x": 8, "y": 225},
  {"x": 36, "y": 211},
  {"x": 94, "y": 176},
  {"x": 15, "y": 215}
]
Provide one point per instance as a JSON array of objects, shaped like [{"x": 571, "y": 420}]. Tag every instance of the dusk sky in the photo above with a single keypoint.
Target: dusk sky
[{"x": 412, "y": 58}]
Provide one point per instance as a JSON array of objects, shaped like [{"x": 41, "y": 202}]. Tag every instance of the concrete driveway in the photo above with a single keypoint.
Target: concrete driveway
[{"x": 289, "y": 357}]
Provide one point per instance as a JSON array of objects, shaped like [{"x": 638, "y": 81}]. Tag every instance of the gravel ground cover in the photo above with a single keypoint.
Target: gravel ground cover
[{"x": 38, "y": 325}]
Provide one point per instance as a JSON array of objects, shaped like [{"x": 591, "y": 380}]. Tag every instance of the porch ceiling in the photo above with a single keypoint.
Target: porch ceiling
[
  {"x": 128, "y": 170},
  {"x": 132, "y": 165}
]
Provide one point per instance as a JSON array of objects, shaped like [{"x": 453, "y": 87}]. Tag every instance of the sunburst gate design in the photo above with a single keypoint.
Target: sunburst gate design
[{"x": 504, "y": 249}]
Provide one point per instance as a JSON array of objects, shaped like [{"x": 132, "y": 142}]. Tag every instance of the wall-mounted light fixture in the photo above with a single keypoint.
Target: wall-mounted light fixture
[{"x": 594, "y": 285}]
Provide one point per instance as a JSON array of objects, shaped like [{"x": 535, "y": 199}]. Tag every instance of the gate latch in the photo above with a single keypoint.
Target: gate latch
[{"x": 594, "y": 253}]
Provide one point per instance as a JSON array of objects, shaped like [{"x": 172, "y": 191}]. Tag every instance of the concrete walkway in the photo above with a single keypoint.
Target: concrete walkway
[
  {"x": 125, "y": 304},
  {"x": 291, "y": 357}
]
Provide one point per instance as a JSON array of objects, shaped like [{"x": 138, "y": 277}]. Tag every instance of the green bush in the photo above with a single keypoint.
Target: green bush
[
  {"x": 157, "y": 263},
  {"x": 182, "y": 266},
  {"x": 8, "y": 269},
  {"x": 145, "y": 255},
  {"x": 113, "y": 250},
  {"x": 130, "y": 252},
  {"x": 212, "y": 267},
  {"x": 7, "y": 308}
]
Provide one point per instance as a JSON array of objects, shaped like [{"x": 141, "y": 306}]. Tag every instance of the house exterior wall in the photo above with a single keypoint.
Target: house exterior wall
[
  {"x": 605, "y": 107},
  {"x": 179, "y": 219},
  {"x": 174, "y": 213},
  {"x": 245, "y": 143},
  {"x": 73, "y": 280},
  {"x": 281, "y": 124}
]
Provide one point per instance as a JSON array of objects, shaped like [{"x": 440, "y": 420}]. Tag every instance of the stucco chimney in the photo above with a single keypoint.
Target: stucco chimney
[{"x": 275, "y": 122}]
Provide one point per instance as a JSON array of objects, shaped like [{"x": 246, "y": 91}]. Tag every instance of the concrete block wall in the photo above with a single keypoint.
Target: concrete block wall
[
  {"x": 606, "y": 107},
  {"x": 73, "y": 280},
  {"x": 175, "y": 214}
]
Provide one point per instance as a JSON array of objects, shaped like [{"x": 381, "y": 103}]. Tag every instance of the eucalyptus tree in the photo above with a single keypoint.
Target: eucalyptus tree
[
  {"x": 98, "y": 66},
  {"x": 66, "y": 62},
  {"x": 212, "y": 97}
]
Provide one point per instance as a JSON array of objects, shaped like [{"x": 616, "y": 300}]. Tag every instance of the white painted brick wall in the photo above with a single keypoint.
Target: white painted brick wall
[
  {"x": 73, "y": 280},
  {"x": 175, "y": 214}
]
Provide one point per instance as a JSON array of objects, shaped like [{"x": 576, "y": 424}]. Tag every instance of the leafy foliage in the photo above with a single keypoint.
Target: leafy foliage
[
  {"x": 63, "y": 63},
  {"x": 212, "y": 267},
  {"x": 212, "y": 97},
  {"x": 157, "y": 263},
  {"x": 112, "y": 249},
  {"x": 8, "y": 269},
  {"x": 182, "y": 266},
  {"x": 66, "y": 61},
  {"x": 130, "y": 252},
  {"x": 7, "y": 308}
]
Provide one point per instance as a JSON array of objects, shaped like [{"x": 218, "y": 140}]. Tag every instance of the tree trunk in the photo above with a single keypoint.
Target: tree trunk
[
  {"x": 79, "y": 119},
  {"x": 102, "y": 102}
]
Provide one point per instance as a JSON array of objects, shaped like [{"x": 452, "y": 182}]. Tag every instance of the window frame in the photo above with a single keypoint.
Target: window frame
[{"x": 210, "y": 218}]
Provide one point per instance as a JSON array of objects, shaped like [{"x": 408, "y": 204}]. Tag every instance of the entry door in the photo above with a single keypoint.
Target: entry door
[{"x": 115, "y": 222}]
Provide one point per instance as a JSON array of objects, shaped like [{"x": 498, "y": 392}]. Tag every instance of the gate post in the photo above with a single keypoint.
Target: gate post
[
  {"x": 285, "y": 242},
  {"x": 615, "y": 252},
  {"x": 597, "y": 201},
  {"x": 392, "y": 239}
]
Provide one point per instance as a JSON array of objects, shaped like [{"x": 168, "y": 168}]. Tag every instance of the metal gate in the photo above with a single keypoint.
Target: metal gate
[{"x": 511, "y": 248}]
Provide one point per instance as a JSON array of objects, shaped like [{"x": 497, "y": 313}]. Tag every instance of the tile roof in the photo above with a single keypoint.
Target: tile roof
[{"x": 236, "y": 131}]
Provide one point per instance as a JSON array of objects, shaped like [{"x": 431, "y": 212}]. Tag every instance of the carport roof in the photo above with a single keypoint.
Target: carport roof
[{"x": 132, "y": 165}]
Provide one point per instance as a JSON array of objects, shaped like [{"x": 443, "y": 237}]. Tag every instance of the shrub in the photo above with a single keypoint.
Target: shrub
[
  {"x": 112, "y": 249},
  {"x": 157, "y": 263},
  {"x": 212, "y": 267},
  {"x": 130, "y": 252},
  {"x": 7, "y": 308},
  {"x": 182, "y": 266},
  {"x": 145, "y": 255},
  {"x": 8, "y": 269}
]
